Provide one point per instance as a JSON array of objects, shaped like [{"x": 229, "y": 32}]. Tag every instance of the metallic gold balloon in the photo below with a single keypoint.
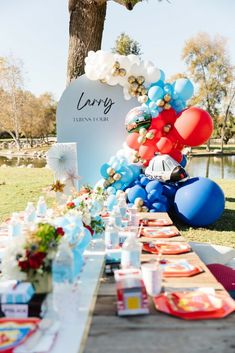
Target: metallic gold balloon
[
  {"x": 122, "y": 72},
  {"x": 134, "y": 86},
  {"x": 140, "y": 79},
  {"x": 116, "y": 65},
  {"x": 111, "y": 180},
  {"x": 117, "y": 176},
  {"x": 139, "y": 201},
  {"x": 141, "y": 139},
  {"x": 160, "y": 102},
  {"x": 150, "y": 135},
  {"x": 142, "y": 131},
  {"x": 131, "y": 79},
  {"x": 110, "y": 171},
  {"x": 167, "y": 97},
  {"x": 167, "y": 128},
  {"x": 145, "y": 209},
  {"x": 167, "y": 106}
]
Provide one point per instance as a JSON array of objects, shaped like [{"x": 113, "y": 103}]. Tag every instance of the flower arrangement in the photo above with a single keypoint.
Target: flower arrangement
[
  {"x": 31, "y": 255},
  {"x": 88, "y": 203}
]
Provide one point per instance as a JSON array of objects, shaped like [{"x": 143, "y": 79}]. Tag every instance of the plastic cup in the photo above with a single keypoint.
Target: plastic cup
[{"x": 152, "y": 277}]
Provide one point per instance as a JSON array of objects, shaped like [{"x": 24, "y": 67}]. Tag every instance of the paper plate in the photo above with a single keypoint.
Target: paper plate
[
  {"x": 195, "y": 305},
  {"x": 160, "y": 232},
  {"x": 165, "y": 248},
  {"x": 156, "y": 222},
  {"x": 15, "y": 331},
  {"x": 180, "y": 268}
]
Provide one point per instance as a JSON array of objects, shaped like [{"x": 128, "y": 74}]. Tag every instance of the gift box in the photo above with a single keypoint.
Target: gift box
[
  {"x": 13, "y": 292},
  {"x": 24, "y": 310}
]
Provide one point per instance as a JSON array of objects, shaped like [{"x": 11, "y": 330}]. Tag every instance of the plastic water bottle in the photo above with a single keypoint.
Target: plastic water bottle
[
  {"x": 29, "y": 213},
  {"x": 131, "y": 252},
  {"x": 111, "y": 235},
  {"x": 116, "y": 215},
  {"x": 77, "y": 260},
  {"x": 62, "y": 266},
  {"x": 133, "y": 217},
  {"x": 15, "y": 225},
  {"x": 62, "y": 275},
  {"x": 41, "y": 207},
  {"x": 122, "y": 205}
]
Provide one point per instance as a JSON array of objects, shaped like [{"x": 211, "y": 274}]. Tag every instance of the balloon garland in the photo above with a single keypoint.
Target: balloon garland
[{"x": 161, "y": 125}]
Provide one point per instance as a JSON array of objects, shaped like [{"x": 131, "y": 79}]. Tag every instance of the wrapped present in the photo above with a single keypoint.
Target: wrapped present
[{"x": 14, "y": 292}]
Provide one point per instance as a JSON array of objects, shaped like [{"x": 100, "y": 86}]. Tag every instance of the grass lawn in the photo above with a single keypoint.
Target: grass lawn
[{"x": 17, "y": 186}]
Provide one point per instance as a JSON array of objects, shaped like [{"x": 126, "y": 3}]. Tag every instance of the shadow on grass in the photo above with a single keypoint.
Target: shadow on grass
[
  {"x": 230, "y": 199},
  {"x": 226, "y": 223}
]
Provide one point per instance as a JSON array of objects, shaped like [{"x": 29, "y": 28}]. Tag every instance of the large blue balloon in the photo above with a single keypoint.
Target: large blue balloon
[
  {"x": 184, "y": 88},
  {"x": 155, "y": 93},
  {"x": 136, "y": 191},
  {"x": 154, "y": 185},
  {"x": 199, "y": 202}
]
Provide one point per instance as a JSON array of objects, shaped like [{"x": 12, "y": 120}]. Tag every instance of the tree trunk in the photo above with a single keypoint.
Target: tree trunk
[{"x": 85, "y": 33}]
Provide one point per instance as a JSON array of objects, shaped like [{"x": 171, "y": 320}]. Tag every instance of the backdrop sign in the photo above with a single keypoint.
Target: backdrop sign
[{"x": 92, "y": 114}]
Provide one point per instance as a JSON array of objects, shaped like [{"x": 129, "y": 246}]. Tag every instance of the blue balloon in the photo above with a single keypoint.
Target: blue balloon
[
  {"x": 184, "y": 161},
  {"x": 155, "y": 93},
  {"x": 160, "y": 207},
  {"x": 103, "y": 170},
  {"x": 169, "y": 190},
  {"x": 111, "y": 190},
  {"x": 153, "y": 195},
  {"x": 168, "y": 88},
  {"x": 162, "y": 75},
  {"x": 135, "y": 170},
  {"x": 136, "y": 191},
  {"x": 184, "y": 88},
  {"x": 199, "y": 202},
  {"x": 154, "y": 185},
  {"x": 144, "y": 181}
]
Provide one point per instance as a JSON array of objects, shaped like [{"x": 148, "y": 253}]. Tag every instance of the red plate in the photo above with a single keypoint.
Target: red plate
[
  {"x": 195, "y": 305},
  {"x": 160, "y": 232},
  {"x": 156, "y": 222},
  {"x": 181, "y": 268},
  {"x": 166, "y": 248}
]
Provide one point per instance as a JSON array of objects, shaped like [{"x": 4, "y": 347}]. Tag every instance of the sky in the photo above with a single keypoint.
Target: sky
[{"x": 36, "y": 31}]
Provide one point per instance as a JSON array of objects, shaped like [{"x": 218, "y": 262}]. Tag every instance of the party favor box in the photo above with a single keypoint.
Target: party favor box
[
  {"x": 131, "y": 293},
  {"x": 12, "y": 292}
]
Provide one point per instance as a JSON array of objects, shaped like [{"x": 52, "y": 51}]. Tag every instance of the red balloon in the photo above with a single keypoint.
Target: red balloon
[
  {"x": 147, "y": 150},
  {"x": 132, "y": 141},
  {"x": 177, "y": 155},
  {"x": 164, "y": 145},
  {"x": 194, "y": 126},
  {"x": 158, "y": 123},
  {"x": 169, "y": 116}
]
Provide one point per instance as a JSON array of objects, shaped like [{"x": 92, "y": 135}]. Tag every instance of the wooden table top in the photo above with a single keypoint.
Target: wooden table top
[{"x": 158, "y": 332}]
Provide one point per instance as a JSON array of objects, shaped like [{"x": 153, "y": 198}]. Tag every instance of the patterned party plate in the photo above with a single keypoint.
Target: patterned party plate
[
  {"x": 160, "y": 232},
  {"x": 156, "y": 222},
  {"x": 14, "y": 332},
  {"x": 165, "y": 248},
  {"x": 195, "y": 305},
  {"x": 179, "y": 268}
]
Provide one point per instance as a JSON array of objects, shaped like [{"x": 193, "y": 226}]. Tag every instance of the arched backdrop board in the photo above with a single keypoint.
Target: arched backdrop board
[{"x": 92, "y": 114}]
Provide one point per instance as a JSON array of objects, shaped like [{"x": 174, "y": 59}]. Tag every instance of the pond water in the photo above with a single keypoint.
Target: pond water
[{"x": 221, "y": 167}]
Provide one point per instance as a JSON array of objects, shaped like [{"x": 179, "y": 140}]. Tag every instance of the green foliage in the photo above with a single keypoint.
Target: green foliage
[{"x": 125, "y": 45}]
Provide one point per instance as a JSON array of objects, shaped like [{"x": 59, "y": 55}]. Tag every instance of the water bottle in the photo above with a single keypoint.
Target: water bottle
[
  {"x": 131, "y": 252},
  {"x": 41, "y": 207},
  {"x": 62, "y": 276},
  {"x": 29, "y": 213},
  {"x": 111, "y": 235},
  {"x": 133, "y": 217},
  {"x": 15, "y": 225},
  {"x": 122, "y": 205},
  {"x": 116, "y": 215},
  {"x": 62, "y": 266}
]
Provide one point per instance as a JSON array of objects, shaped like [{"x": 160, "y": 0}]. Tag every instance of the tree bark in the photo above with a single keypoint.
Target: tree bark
[{"x": 85, "y": 33}]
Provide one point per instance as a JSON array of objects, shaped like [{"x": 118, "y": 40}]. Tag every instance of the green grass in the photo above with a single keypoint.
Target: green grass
[{"x": 17, "y": 186}]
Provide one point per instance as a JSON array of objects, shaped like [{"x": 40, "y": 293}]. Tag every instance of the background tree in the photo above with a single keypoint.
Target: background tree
[
  {"x": 125, "y": 45},
  {"x": 86, "y": 26},
  {"x": 209, "y": 67},
  {"x": 11, "y": 97}
]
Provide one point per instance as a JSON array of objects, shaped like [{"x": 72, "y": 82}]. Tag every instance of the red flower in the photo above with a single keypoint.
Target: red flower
[
  {"x": 89, "y": 228},
  {"x": 23, "y": 264},
  {"x": 60, "y": 231},
  {"x": 71, "y": 205},
  {"x": 36, "y": 259}
]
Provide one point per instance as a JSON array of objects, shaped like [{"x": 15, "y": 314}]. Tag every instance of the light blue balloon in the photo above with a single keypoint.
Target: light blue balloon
[
  {"x": 103, "y": 170},
  {"x": 118, "y": 185},
  {"x": 136, "y": 170},
  {"x": 152, "y": 105},
  {"x": 184, "y": 88},
  {"x": 155, "y": 93},
  {"x": 168, "y": 88},
  {"x": 111, "y": 190},
  {"x": 116, "y": 165},
  {"x": 155, "y": 112},
  {"x": 111, "y": 202}
]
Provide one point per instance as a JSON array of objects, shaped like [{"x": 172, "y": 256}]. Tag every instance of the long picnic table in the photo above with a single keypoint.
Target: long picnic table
[{"x": 158, "y": 332}]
